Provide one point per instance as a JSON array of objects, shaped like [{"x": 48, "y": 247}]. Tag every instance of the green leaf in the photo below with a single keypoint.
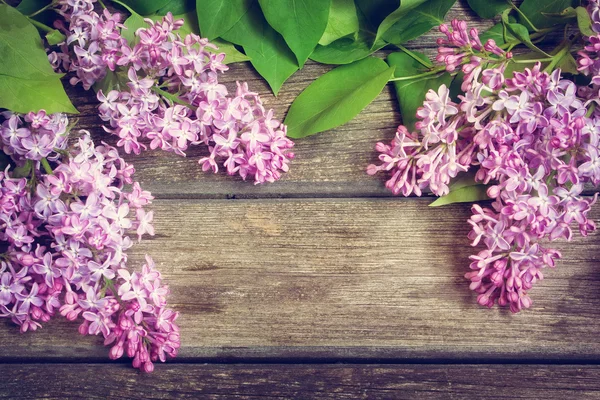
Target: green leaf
[
  {"x": 23, "y": 95},
  {"x": 27, "y": 7},
  {"x": 337, "y": 97},
  {"x": 267, "y": 50},
  {"x": 54, "y": 37},
  {"x": 406, "y": 6},
  {"x": 520, "y": 32},
  {"x": 145, "y": 7},
  {"x": 375, "y": 11},
  {"x": 584, "y": 22},
  {"x": 418, "y": 21},
  {"x": 177, "y": 7},
  {"x": 114, "y": 80},
  {"x": 342, "y": 21},
  {"x": 27, "y": 80},
  {"x": 218, "y": 16},
  {"x": 300, "y": 22},
  {"x": 488, "y": 8},
  {"x": 133, "y": 23},
  {"x": 467, "y": 194},
  {"x": 232, "y": 55},
  {"x": 347, "y": 50},
  {"x": 496, "y": 33},
  {"x": 537, "y": 11},
  {"x": 568, "y": 64},
  {"x": 411, "y": 93}
]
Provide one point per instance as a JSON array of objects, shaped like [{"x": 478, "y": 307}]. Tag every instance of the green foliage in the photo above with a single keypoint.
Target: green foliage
[
  {"x": 584, "y": 22},
  {"x": 539, "y": 11},
  {"x": 337, "y": 97},
  {"x": 342, "y": 21},
  {"x": 146, "y": 7},
  {"x": 218, "y": 16},
  {"x": 348, "y": 50},
  {"x": 467, "y": 194},
  {"x": 267, "y": 50},
  {"x": 300, "y": 22},
  {"x": 411, "y": 92},
  {"x": 396, "y": 15},
  {"x": 488, "y": 8},
  {"x": 54, "y": 37},
  {"x": 177, "y": 7},
  {"x": 418, "y": 21},
  {"x": 27, "y": 80}
]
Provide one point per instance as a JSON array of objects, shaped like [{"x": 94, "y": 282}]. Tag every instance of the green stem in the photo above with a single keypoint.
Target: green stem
[
  {"x": 41, "y": 10},
  {"x": 47, "y": 166},
  {"x": 425, "y": 63},
  {"x": 171, "y": 97},
  {"x": 522, "y": 15},
  {"x": 102, "y": 4},
  {"x": 39, "y": 25},
  {"x": 428, "y": 73},
  {"x": 532, "y": 61}
]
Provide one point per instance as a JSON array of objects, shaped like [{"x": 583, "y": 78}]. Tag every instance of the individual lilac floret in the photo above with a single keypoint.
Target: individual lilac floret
[{"x": 530, "y": 137}]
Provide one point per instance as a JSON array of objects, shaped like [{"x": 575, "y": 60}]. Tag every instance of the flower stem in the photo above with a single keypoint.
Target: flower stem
[
  {"x": 424, "y": 74},
  {"x": 426, "y": 63},
  {"x": 171, "y": 97},
  {"x": 522, "y": 15},
  {"x": 41, "y": 10},
  {"x": 39, "y": 25},
  {"x": 102, "y": 4},
  {"x": 47, "y": 166}
]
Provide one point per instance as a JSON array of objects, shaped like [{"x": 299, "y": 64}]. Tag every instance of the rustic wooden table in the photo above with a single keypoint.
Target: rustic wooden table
[{"x": 322, "y": 285}]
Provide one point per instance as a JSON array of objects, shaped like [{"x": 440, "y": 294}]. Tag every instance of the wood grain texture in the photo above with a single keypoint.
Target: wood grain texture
[
  {"x": 341, "y": 279},
  {"x": 59, "y": 381}
]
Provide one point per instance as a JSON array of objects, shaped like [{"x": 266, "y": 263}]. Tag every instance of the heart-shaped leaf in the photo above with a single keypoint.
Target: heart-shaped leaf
[
  {"x": 337, "y": 97},
  {"x": 218, "y": 16},
  {"x": 418, "y": 21},
  {"x": 300, "y": 22},
  {"x": 467, "y": 194},
  {"x": 267, "y": 50},
  {"x": 538, "y": 12},
  {"x": 584, "y": 21},
  {"x": 411, "y": 92},
  {"x": 405, "y": 7},
  {"x": 178, "y": 7},
  {"x": 488, "y": 8},
  {"x": 342, "y": 21},
  {"x": 145, "y": 7},
  {"x": 27, "y": 80}
]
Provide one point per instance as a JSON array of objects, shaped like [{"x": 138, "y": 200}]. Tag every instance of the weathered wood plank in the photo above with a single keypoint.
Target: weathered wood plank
[
  {"x": 330, "y": 164},
  {"x": 193, "y": 381},
  {"x": 341, "y": 280}
]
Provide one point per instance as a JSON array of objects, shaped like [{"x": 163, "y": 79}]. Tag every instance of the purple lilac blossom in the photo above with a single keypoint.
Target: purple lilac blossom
[
  {"x": 173, "y": 99},
  {"x": 531, "y": 137},
  {"x": 64, "y": 238}
]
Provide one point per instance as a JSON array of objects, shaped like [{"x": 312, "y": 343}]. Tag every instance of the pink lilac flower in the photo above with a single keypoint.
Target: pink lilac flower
[
  {"x": 64, "y": 238},
  {"x": 173, "y": 99},
  {"x": 531, "y": 137}
]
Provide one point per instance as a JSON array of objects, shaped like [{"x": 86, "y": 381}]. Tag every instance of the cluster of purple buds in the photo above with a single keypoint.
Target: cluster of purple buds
[
  {"x": 93, "y": 42},
  {"x": 33, "y": 136},
  {"x": 63, "y": 242},
  {"x": 532, "y": 139},
  {"x": 173, "y": 98}
]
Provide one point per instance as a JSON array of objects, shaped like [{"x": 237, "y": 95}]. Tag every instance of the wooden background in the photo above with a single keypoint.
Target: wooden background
[{"x": 322, "y": 285}]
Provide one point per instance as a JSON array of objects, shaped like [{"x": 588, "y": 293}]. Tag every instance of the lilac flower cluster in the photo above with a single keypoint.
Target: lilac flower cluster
[
  {"x": 95, "y": 41},
  {"x": 63, "y": 243},
  {"x": 173, "y": 98},
  {"x": 531, "y": 137},
  {"x": 39, "y": 138}
]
